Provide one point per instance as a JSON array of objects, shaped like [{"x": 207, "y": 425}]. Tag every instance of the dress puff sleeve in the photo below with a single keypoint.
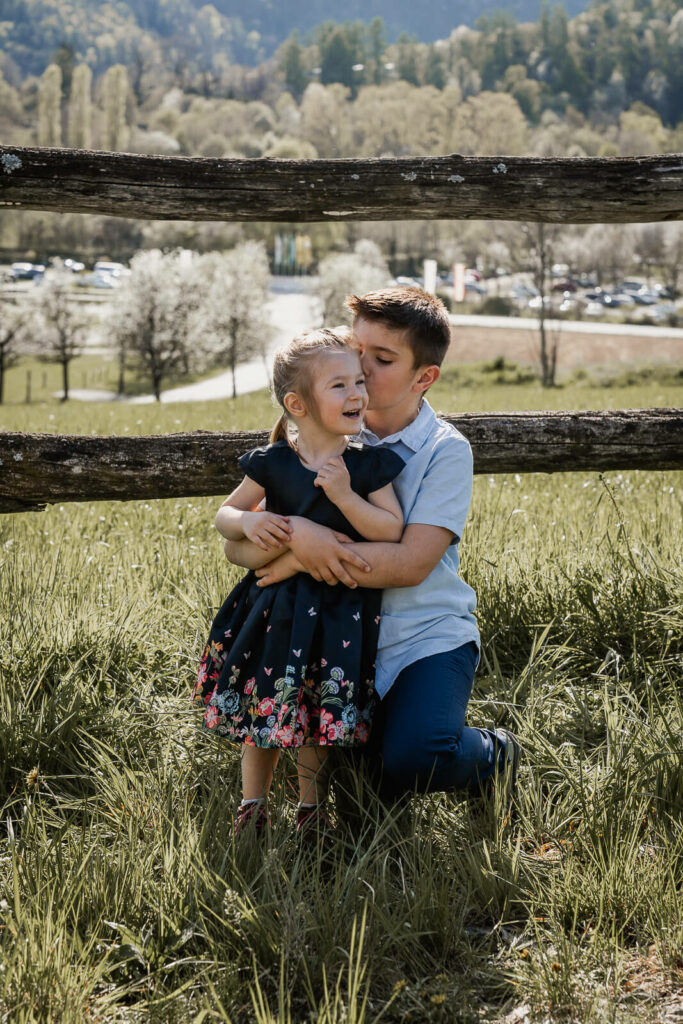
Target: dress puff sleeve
[
  {"x": 255, "y": 465},
  {"x": 383, "y": 467}
]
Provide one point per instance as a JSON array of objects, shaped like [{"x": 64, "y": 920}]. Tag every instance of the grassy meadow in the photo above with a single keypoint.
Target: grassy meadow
[{"x": 123, "y": 896}]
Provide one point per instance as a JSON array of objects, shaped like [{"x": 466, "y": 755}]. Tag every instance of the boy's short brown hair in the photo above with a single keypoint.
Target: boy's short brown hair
[{"x": 422, "y": 316}]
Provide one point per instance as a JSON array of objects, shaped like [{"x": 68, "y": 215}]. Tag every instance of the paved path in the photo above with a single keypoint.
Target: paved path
[{"x": 288, "y": 312}]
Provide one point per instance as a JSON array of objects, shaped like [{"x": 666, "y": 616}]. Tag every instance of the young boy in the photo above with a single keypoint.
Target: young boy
[{"x": 428, "y": 642}]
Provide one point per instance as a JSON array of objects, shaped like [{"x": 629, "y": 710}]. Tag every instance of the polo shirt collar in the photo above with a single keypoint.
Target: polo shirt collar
[{"x": 415, "y": 434}]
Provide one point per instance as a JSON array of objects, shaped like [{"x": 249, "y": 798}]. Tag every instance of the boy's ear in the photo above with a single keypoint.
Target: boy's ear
[
  {"x": 293, "y": 404},
  {"x": 427, "y": 375}
]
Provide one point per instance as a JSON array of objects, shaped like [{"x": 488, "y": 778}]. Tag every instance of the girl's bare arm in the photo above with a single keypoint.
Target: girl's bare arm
[{"x": 239, "y": 518}]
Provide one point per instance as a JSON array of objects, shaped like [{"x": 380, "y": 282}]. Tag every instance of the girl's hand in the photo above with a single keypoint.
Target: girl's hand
[
  {"x": 266, "y": 529},
  {"x": 279, "y": 569},
  {"x": 334, "y": 479}
]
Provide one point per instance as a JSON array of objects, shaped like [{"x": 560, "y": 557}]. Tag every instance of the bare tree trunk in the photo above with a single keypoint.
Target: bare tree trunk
[
  {"x": 2, "y": 373},
  {"x": 122, "y": 370},
  {"x": 543, "y": 344},
  {"x": 65, "y": 379},
  {"x": 553, "y": 359},
  {"x": 233, "y": 364},
  {"x": 548, "y": 359}
]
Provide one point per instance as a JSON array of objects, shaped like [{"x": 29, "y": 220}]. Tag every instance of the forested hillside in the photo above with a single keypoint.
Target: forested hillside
[
  {"x": 607, "y": 82},
  {"x": 427, "y": 22},
  {"x": 31, "y": 30}
]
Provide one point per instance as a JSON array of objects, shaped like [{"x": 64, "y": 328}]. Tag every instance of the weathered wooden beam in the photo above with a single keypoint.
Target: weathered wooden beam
[
  {"x": 580, "y": 191},
  {"x": 40, "y": 469}
]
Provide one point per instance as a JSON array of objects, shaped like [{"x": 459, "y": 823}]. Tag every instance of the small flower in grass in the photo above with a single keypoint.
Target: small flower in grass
[
  {"x": 399, "y": 986},
  {"x": 438, "y": 999},
  {"x": 32, "y": 777}
]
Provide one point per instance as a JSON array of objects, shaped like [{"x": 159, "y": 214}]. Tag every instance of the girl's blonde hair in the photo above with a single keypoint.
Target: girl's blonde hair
[{"x": 293, "y": 369}]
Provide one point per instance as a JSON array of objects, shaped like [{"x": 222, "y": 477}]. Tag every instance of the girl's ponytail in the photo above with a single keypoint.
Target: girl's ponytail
[{"x": 279, "y": 431}]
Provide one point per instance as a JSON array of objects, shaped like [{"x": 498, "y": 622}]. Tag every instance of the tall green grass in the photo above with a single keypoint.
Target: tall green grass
[{"x": 123, "y": 896}]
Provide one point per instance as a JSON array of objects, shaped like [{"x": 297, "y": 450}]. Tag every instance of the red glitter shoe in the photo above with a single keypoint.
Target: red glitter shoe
[
  {"x": 314, "y": 822},
  {"x": 252, "y": 815}
]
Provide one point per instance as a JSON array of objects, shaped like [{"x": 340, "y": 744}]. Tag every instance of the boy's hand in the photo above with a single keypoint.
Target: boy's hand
[
  {"x": 324, "y": 553},
  {"x": 266, "y": 529},
  {"x": 334, "y": 479}
]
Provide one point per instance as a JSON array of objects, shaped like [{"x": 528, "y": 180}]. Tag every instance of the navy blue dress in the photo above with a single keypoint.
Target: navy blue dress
[{"x": 293, "y": 663}]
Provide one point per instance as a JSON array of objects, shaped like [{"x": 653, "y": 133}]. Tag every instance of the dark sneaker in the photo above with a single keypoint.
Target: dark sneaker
[
  {"x": 251, "y": 816},
  {"x": 508, "y": 752}
]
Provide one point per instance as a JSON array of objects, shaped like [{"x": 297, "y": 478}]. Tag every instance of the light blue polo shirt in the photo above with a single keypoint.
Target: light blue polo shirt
[{"x": 435, "y": 489}]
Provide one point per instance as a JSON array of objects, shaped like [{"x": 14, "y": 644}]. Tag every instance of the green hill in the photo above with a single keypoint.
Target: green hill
[{"x": 31, "y": 31}]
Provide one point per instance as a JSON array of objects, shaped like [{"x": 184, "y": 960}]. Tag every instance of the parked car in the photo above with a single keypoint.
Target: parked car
[
  {"x": 565, "y": 285},
  {"x": 663, "y": 310},
  {"x": 631, "y": 286},
  {"x": 98, "y": 281},
  {"x": 470, "y": 276},
  {"x": 535, "y": 303},
  {"x": 108, "y": 267},
  {"x": 23, "y": 271},
  {"x": 524, "y": 291},
  {"x": 472, "y": 288},
  {"x": 75, "y": 266}
]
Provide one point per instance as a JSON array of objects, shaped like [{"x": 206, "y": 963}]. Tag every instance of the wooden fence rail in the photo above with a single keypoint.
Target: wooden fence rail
[
  {"x": 578, "y": 190},
  {"x": 40, "y": 469}
]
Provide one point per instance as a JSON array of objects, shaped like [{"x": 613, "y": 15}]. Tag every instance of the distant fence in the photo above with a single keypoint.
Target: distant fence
[{"x": 41, "y": 469}]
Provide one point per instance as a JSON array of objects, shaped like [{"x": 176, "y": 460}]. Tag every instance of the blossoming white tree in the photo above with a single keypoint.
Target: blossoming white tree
[
  {"x": 235, "y": 310},
  {"x": 183, "y": 313},
  {"x": 14, "y": 330},
  {"x": 154, "y": 315},
  {"x": 61, "y": 323},
  {"x": 342, "y": 274}
]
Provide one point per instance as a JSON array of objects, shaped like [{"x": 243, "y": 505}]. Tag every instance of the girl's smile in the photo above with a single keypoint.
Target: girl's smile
[{"x": 339, "y": 395}]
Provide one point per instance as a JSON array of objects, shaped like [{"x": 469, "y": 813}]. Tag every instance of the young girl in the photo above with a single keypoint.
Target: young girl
[{"x": 292, "y": 664}]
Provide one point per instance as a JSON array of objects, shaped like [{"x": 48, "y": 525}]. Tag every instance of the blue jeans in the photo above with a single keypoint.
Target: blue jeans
[{"x": 420, "y": 728}]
